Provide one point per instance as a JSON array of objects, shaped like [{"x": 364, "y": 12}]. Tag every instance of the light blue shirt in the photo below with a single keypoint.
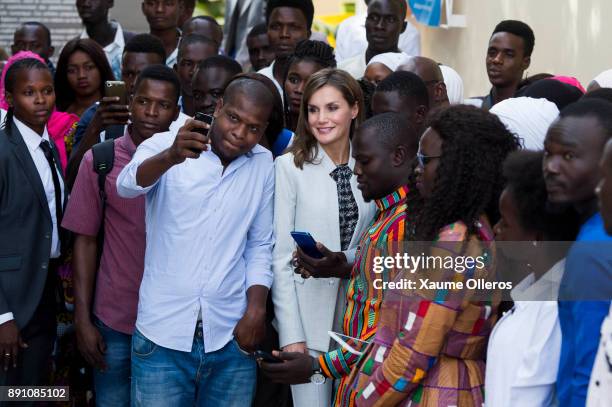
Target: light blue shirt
[{"x": 209, "y": 238}]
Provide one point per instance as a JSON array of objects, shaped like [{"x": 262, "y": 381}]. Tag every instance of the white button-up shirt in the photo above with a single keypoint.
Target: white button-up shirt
[
  {"x": 209, "y": 238},
  {"x": 525, "y": 346},
  {"x": 32, "y": 141}
]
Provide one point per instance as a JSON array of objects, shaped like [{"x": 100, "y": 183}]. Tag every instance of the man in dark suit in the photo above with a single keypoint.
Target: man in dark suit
[{"x": 32, "y": 199}]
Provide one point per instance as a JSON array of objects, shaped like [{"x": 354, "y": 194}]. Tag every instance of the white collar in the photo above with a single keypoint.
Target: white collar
[
  {"x": 546, "y": 288},
  {"x": 119, "y": 41},
  {"x": 323, "y": 159},
  {"x": 30, "y": 137}
]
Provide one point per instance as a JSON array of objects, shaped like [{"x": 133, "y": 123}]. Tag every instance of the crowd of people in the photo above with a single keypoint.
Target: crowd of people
[{"x": 150, "y": 184}]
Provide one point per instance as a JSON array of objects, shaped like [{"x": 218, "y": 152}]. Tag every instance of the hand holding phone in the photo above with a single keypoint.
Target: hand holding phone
[
  {"x": 266, "y": 357},
  {"x": 116, "y": 89},
  {"x": 189, "y": 142},
  {"x": 306, "y": 242}
]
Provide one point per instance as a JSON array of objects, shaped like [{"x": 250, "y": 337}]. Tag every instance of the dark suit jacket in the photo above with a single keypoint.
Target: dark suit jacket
[{"x": 25, "y": 229}]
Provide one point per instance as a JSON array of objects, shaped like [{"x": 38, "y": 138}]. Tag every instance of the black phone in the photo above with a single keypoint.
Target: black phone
[
  {"x": 116, "y": 89},
  {"x": 206, "y": 118},
  {"x": 266, "y": 357},
  {"x": 307, "y": 243}
]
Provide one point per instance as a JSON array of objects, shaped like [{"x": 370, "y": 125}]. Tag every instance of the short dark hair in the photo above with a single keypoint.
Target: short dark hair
[
  {"x": 520, "y": 29},
  {"x": 39, "y": 25},
  {"x": 66, "y": 95},
  {"x": 367, "y": 89},
  {"x": 305, "y": 6},
  {"x": 598, "y": 108},
  {"x": 162, "y": 73},
  {"x": 392, "y": 129},
  {"x": 246, "y": 82},
  {"x": 407, "y": 84},
  {"x": 146, "y": 44},
  {"x": 525, "y": 181},
  {"x": 601, "y": 93},
  {"x": 259, "y": 29},
  {"x": 403, "y": 5},
  {"x": 223, "y": 62},
  {"x": 195, "y": 39}
]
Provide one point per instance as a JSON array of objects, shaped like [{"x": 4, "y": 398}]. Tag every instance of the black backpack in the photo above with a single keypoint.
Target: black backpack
[{"x": 103, "y": 162}]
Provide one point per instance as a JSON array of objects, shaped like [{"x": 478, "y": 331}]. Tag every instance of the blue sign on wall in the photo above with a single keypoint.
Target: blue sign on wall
[{"x": 426, "y": 11}]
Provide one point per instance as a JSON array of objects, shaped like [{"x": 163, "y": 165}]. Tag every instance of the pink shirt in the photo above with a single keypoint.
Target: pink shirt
[{"x": 122, "y": 262}]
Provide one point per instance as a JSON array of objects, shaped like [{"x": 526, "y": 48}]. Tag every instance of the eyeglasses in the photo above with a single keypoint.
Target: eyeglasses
[{"x": 425, "y": 159}]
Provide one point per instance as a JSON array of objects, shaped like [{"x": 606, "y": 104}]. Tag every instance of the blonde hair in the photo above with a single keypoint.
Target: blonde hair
[{"x": 304, "y": 146}]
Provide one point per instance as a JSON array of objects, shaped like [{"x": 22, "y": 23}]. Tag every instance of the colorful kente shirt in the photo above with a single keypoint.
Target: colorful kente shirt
[
  {"x": 363, "y": 300},
  {"x": 430, "y": 346}
]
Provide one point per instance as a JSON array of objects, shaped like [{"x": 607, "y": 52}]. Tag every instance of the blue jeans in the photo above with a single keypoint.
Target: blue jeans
[
  {"x": 113, "y": 385},
  {"x": 166, "y": 377}
]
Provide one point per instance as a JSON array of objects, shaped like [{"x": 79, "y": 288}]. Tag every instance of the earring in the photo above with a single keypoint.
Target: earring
[{"x": 534, "y": 243}]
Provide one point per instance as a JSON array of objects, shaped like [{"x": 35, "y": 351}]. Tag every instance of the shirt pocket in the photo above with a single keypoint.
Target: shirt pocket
[{"x": 10, "y": 263}]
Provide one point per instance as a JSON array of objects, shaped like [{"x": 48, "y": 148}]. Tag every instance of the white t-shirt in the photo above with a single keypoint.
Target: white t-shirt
[{"x": 351, "y": 38}]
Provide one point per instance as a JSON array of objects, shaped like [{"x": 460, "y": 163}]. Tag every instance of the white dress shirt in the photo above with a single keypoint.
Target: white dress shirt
[
  {"x": 209, "y": 238},
  {"x": 114, "y": 50},
  {"x": 268, "y": 71},
  {"x": 525, "y": 346},
  {"x": 351, "y": 38},
  {"x": 32, "y": 141}
]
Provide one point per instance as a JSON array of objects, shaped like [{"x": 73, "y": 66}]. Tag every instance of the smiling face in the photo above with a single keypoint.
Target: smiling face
[
  {"x": 286, "y": 27},
  {"x": 330, "y": 115},
  {"x": 32, "y": 98},
  {"x": 506, "y": 59},
  {"x": 384, "y": 24},
  {"x": 572, "y": 150},
  {"x": 83, "y": 74},
  {"x": 240, "y": 123},
  {"x": 430, "y": 146},
  {"x": 297, "y": 76}
]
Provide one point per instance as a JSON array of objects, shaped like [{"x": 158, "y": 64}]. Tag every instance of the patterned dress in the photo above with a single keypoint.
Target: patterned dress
[
  {"x": 430, "y": 346},
  {"x": 363, "y": 300}
]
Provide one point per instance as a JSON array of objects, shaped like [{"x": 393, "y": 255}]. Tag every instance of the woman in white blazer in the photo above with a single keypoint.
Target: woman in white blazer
[{"x": 316, "y": 192}]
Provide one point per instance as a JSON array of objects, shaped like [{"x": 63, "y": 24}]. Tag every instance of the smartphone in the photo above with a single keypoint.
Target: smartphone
[
  {"x": 266, "y": 357},
  {"x": 206, "y": 118},
  {"x": 116, "y": 89},
  {"x": 307, "y": 243}
]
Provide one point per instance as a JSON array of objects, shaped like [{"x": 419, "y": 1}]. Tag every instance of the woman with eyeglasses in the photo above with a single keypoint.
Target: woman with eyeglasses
[{"x": 430, "y": 345}]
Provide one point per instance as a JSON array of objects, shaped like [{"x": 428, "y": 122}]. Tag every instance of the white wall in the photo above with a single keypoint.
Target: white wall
[{"x": 572, "y": 38}]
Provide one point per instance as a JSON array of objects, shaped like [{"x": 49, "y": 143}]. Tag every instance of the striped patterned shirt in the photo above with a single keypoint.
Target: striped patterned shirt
[
  {"x": 430, "y": 345},
  {"x": 363, "y": 300}
]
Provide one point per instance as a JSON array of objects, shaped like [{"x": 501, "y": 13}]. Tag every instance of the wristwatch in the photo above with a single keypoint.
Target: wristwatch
[{"x": 317, "y": 374}]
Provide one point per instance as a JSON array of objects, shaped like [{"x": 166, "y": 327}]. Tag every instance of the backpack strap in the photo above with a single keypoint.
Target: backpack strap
[{"x": 103, "y": 162}]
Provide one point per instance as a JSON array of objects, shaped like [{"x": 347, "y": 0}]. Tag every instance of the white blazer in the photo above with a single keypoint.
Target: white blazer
[{"x": 307, "y": 201}]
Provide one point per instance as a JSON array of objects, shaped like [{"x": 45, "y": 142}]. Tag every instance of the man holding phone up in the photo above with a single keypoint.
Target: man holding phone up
[
  {"x": 104, "y": 338},
  {"x": 209, "y": 204}
]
